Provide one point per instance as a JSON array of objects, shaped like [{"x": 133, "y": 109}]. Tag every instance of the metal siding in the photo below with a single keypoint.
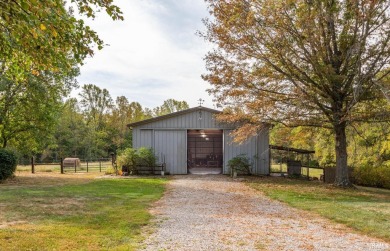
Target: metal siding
[
  {"x": 264, "y": 152},
  {"x": 187, "y": 121},
  {"x": 172, "y": 145},
  {"x": 146, "y": 138},
  {"x": 136, "y": 137},
  {"x": 171, "y": 142},
  {"x": 232, "y": 149}
]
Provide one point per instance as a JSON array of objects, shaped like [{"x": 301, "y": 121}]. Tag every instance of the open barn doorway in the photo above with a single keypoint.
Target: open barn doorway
[{"x": 205, "y": 151}]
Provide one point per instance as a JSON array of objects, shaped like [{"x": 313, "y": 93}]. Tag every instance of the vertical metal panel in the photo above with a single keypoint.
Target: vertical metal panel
[
  {"x": 146, "y": 138},
  {"x": 232, "y": 149},
  {"x": 142, "y": 138},
  {"x": 136, "y": 137},
  {"x": 263, "y": 146},
  {"x": 171, "y": 145}
]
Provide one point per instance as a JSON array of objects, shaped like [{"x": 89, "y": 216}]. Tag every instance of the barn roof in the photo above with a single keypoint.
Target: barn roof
[{"x": 171, "y": 115}]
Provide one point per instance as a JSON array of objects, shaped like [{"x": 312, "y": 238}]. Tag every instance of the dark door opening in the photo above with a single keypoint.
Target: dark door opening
[{"x": 205, "y": 149}]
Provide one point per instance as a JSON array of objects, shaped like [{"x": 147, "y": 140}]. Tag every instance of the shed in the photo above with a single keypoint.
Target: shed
[{"x": 192, "y": 138}]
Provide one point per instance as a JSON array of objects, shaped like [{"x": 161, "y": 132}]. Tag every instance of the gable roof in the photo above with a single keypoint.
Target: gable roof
[{"x": 171, "y": 115}]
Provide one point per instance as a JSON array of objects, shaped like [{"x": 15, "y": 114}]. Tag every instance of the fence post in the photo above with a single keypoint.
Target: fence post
[
  {"x": 87, "y": 166},
  {"x": 62, "y": 165},
  {"x": 100, "y": 165},
  {"x": 32, "y": 165},
  {"x": 112, "y": 159},
  {"x": 75, "y": 170}
]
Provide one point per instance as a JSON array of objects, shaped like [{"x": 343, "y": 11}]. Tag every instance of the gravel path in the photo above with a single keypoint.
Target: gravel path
[{"x": 212, "y": 212}]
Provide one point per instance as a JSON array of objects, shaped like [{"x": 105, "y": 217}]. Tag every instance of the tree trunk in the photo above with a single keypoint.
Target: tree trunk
[{"x": 342, "y": 178}]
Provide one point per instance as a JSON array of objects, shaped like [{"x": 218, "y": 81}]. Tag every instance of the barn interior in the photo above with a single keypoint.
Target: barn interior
[{"x": 205, "y": 149}]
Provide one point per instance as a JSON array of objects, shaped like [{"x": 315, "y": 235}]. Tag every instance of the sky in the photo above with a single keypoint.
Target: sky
[{"x": 153, "y": 55}]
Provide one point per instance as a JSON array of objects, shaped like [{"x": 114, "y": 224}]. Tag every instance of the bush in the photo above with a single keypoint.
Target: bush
[
  {"x": 110, "y": 170},
  {"x": 131, "y": 158},
  {"x": 240, "y": 164},
  {"x": 127, "y": 159},
  {"x": 8, "y": 163},
  {"x": 145, "y": 157},
  {"x": 368, "y": 175}
]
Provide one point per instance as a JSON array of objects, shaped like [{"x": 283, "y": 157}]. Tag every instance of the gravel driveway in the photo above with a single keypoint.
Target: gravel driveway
[{"x": 213, "y": 212}]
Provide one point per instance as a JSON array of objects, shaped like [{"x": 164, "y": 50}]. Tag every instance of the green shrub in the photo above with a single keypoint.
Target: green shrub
[
  {"x": 131, "y": 158},
  {"x": 368, "y": 175},
  {"x": 145, "y": 157},
  {"x": 127, "y": 159},
  {"x": 110, "y": 170},
  {"x": 240, "y": 164},
  {"x": 8, "y": 163}
]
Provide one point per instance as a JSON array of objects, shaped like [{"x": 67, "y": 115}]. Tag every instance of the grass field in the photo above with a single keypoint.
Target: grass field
[
  {"x": 364, "y": 209},
  {"x": 51, "y": 211}
]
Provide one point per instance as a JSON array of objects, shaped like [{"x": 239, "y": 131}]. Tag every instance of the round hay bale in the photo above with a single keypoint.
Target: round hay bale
[{"x": 71, "y": 162}]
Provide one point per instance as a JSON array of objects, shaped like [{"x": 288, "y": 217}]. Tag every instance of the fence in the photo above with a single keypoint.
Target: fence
[
  {"x": 97, "y": 165},
  {"x": 311, "y": 172}
]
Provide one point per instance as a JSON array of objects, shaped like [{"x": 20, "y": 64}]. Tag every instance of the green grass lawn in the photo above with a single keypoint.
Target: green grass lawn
[
  {"x": 364, "y": 209},
  {"x": 69, "y": 212}
]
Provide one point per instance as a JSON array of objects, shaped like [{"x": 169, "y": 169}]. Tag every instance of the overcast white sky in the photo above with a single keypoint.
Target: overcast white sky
[{"x": 153, "y": 55}]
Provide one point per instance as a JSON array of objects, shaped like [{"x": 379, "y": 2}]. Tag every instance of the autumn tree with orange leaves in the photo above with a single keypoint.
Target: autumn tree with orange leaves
[{"x": 300, "y": 63}]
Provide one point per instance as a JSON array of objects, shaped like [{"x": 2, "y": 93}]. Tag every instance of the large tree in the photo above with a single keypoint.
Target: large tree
[
  {"x": 38, "y": 35},
  {"x": 300, "y": 62},
  {"x": 29, "y": 109}
]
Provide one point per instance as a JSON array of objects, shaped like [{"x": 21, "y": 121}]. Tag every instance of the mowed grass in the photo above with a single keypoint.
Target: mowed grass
[
  {"x": 364, "y": 209},
  {"x": 75, "y": 212}
]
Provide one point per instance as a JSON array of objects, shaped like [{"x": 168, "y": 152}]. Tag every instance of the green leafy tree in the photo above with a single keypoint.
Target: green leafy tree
[
  {"x": 96, "y": 105},
  {"x": 71, "y": 131},
  {"x": 170, "y": 106},
  {"x": 301, "y": 63},
  {"x": 124, "y": 113},
  {"x": 47, "y": 35},
  {"x": 29, "y": 109}
]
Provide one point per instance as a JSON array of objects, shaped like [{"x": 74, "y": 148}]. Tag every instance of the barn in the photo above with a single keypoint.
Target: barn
[{"x": 192, "y": 138}]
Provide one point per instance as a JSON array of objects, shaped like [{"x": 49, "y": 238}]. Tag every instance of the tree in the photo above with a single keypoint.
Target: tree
[
  {"x": 71, "y": 134},
  {"x": 309, "y": 63},
  {"x": 170, "y": 106},
  {"x": 29, "y": 109},
  {"x": 45, "y": 35},
  {"x": 96, "y": 103},
  {"x": 123, "y": 114}
]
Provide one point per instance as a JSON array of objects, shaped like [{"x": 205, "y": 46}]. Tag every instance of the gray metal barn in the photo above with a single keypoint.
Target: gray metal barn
[{"x": 193, "y": 138}]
